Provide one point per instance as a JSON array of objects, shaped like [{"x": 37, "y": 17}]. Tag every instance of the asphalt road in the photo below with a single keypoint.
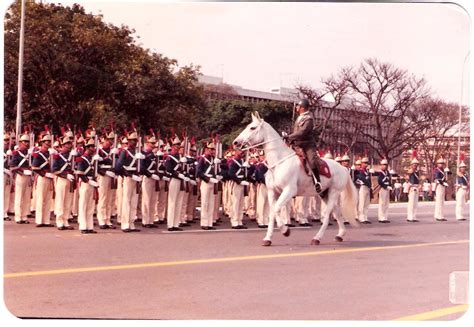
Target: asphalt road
[{"x": 379, "y": 272}]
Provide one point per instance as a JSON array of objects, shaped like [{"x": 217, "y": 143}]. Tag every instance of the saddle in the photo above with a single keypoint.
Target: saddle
[{"x": 323, "y": 166}]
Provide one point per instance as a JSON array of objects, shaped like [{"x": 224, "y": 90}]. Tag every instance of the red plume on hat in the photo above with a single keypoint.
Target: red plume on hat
[
  {"x": 152, "y": 132},
  {"x": 193, "y": 141},
  {"x": 461, "y": 156},
  {"x": 414, "y": 153}
]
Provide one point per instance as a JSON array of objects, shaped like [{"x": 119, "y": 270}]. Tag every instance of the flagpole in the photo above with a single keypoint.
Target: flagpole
[
  {"x": 20, "y": 72},
  {"x": 460, "y": 108}
]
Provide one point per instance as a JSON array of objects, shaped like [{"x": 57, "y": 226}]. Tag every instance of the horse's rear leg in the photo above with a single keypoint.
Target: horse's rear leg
[
  {"x": 340, "y": 221},
  {"x": 332, "y": 197},
  {"x": 267, "y": 241}
]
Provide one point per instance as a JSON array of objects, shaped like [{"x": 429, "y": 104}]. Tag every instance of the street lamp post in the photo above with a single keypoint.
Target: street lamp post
[{"x": 20, "y": 71}]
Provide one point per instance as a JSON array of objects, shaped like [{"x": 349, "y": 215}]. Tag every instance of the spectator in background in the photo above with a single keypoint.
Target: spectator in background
[
  {"x": 426, "y": 190},
  {"x": 406, "y": 189},
  {"x": 397, "y": 190}
]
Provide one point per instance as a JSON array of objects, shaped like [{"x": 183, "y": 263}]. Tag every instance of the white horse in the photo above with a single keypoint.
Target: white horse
[{"x": 287, "y": 178}]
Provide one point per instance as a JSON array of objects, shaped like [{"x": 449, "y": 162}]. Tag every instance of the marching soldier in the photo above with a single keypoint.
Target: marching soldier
[
  {"x": 20, "y": 166},
  {"x": 462, "y": 191},
  {"x": 193, "y": 189},
  {"x": 345, "y": 162},
  {"x": 176, "y": 186},
  {"x": 163, "y": 183},
  {"x": 185, "y": 191},
  {"x": 7, "y": 175},
  {"x": 363, "y": 179},
  {"x": 150, "y": 179},
  {"x": 118, "y": 198},
  {"x": 413, "y": 190},
  {"x": 440, "y": 191},
  {"x": 65, "y": 184},
  {"x": 44, "y": 183},
  {"x": 87, "y": 185},
  {"x": 385, "y": 182},
  {"x": 236, "y": 174},
  {"x": 106, "y": 178},
  {"x": 227, "y": 185},
  {"x": 263, "y": 207},
  {"x": 127, "y": 166},
  {"x": 205, "y": 172},
  {"x": 303, "y": 136},
  {"x": 77, "y": 152}
]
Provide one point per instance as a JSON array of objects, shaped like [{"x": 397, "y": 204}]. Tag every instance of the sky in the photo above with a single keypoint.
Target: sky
[{"x": 264, "y": 45}]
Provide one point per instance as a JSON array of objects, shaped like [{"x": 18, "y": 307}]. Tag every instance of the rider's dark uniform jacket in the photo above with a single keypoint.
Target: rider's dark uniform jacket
[{"x": 303, "y": 134}]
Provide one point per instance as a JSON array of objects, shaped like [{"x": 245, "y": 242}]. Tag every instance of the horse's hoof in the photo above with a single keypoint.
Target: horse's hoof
[
  {"x": 315, "y": 242},
  {"x": 338, "y": 239},
  {"x": 266, "y": 243},
  {"x": 287, "y": 233}
]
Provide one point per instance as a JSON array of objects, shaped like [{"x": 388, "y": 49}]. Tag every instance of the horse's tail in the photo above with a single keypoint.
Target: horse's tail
[{"x": 349, "y": 203}]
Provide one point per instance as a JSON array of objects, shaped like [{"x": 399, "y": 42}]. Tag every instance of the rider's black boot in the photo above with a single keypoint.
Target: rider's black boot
[{"x": 318, "y": 179}]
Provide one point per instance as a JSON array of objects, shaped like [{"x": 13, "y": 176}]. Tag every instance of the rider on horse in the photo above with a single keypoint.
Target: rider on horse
[{"x": 304, "y": 137}]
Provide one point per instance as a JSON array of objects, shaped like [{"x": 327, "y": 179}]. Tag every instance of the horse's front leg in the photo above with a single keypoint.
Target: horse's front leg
[
  {"x": 332, "y": 198},
  {"x": 282, "y": 201},
  {"x": 267, "y": 241}
]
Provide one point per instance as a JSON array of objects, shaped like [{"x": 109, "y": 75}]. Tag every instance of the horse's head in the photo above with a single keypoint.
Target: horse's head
[{"x": 252, "y": 134}]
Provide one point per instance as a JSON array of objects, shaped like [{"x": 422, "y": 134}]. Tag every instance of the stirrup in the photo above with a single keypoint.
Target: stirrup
[{"x": 318, "y": 187}]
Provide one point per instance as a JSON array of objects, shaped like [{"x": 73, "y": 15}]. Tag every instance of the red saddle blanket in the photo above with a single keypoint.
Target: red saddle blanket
[{"x": 324, "y": 169}]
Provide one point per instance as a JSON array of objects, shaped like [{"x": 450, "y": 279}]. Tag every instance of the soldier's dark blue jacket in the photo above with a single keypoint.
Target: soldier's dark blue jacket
[
  {"x": 462, "y": 180},
  {"x": 126, "y": 164},
  {"x": 172, "y": 165},
  {"x": 363, "y": 175},
  {"x": 205, "y": 168},
  {"x": 148, "y": 165},
  {"x": 440, "y": 176},
  {"x": 384, "y": 179},
  {"x": 106, "y": 163},
  {"x": 236, "y": 171},
  {"x": 40, "y": 163},
  {"x": 414, "y": 178},
  {"x": 19, "y": 161},
  {"x": 260, "y": 171},
  {"x": 62, "y": 164},
  {"x": 85, "y": 167}
]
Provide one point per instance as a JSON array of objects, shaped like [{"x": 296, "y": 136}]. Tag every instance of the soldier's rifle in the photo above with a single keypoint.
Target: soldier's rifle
[
  {"x": 246, "y": 191},
  {"x": 185, "y": 164}
]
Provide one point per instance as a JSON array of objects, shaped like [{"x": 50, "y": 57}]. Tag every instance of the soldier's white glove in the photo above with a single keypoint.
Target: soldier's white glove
[
  {"x": 155, "y": 177},
  {"x": 371, "y": 170},
  {"x": 110, "y": 173},
  {"x": 181, "y": 176},
  {"x": 360, "y": 182},
  {"x": 114, "y": 151},
  {"x": 16, "y": 147},
  {"x": 213, "y": 180},
  {"x": 166, "y": 179},
  {"x": 74, "y": 153},
  {"x": 353, "y": 167},
  {"x": 93, "y": 183},
  {"x": 244, "y": 183},
  {"x": 27, "y": 172},
  {"x": 219, "y": 177},
  {"x": 217, "y": 161},
  {"x": 52, "y": 151},
  {"x": 97, "y": 157},
  {"x": 445, "y": 184},
  {"x": 30, "y": 150},
  {"x": 183, "y": 160},
  {"x": 49, "y": 175},
  {"x": 446, "y": 169},
  {"x": 139, "y": 156},
  {"x": 187, "y": 179},
  {"x": 389, "y": 188},
  {"x": 284, "y": 135},
  {"x": 193, "y": 182},
  {"x": 9, "y": 152},
  {"x": 159, "y": 153},
  {"x": 70, "y": 177},
  {"x": 8, "y": 172},
  {"x": 245, "y": 164}
]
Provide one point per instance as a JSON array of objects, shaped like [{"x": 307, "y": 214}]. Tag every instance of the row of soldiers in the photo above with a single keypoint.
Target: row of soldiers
[{"x": 82, "y": 176}]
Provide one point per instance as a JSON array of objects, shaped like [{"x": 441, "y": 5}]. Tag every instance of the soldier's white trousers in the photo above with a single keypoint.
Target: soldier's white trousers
[
  {"x": 22, "y": 197},
  {"x": 250, "y": 201},
  {"x": 162, "y": 197},
  {"x": 460, "y": 202},
  {"x": 412, "y": 203},
  {"x": 207, "y": 203},
  {"x": 86, "y": 206},
  {"x": 184, "y": 207},
  {"x": 263, "y": 206},
  {"x": 118, "y": 199},
  {"x": 191, "y": 207},
  {"x": 44, "y": 194},
  {"x": 175, "y": 200},
  {"x": 129, "y": 203},
  {"x": 227, "y": 197},
  {"x": 384, "y": 200},
  {"x": 315, "y": 207},
  {"x": 7, "y": 188},
  {"x": 301, "y": 209},
  {"x": 63, "y": 201},
  {"x": 439, "y": 205},
  {"x": 237, "y": 205},
  {"x": 217, "y": 204},
  {"x": 364, "y": 201},
  {"x": 149, "y": 196},
  {"x": 105, "y": 202}
]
